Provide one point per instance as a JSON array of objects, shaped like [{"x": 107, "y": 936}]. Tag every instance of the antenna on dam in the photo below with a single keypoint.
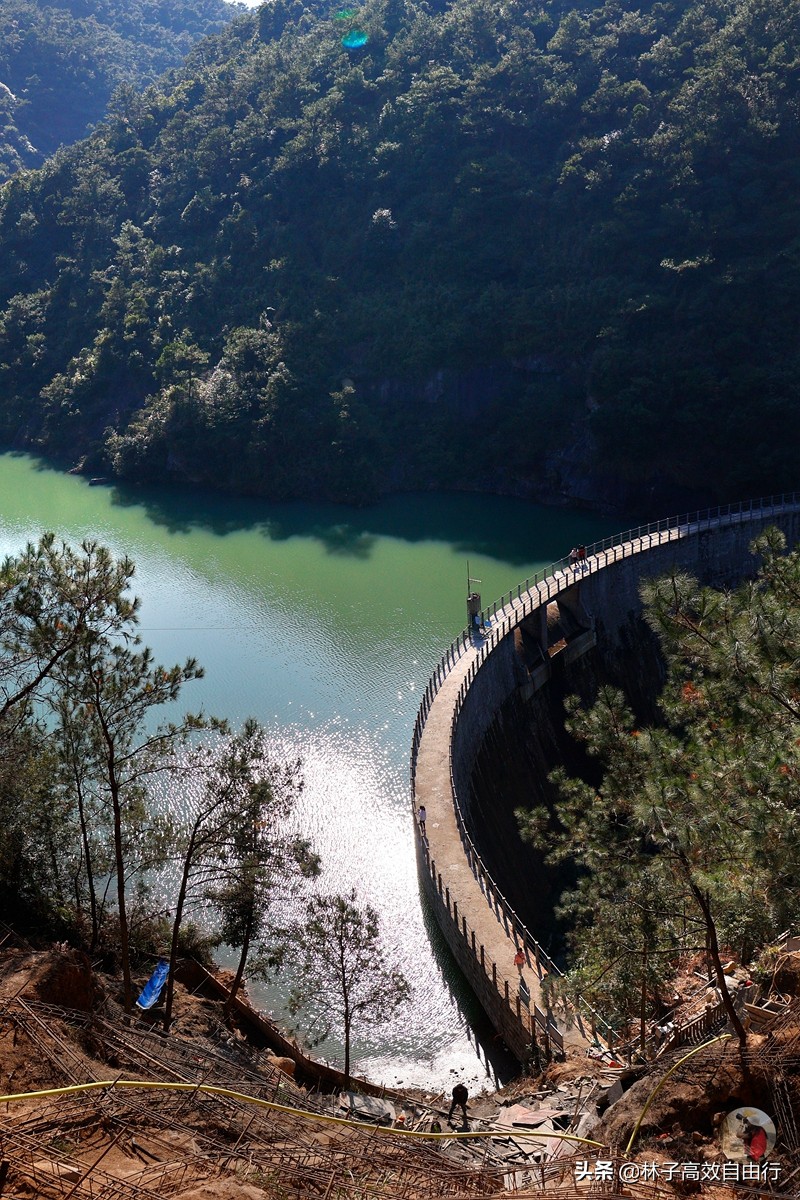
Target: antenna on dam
[{"x": 473, "y": 603}]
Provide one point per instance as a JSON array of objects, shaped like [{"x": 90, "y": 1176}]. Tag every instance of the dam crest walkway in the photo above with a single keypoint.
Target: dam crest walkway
[{"x": 480, "y": 925}]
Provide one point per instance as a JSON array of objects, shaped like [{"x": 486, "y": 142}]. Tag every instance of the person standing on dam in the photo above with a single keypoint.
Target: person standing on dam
[{"x": 460, "y": 1098}]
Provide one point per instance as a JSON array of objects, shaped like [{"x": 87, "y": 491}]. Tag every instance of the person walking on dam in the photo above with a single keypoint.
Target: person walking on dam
[{"x": 421, "y": 817}]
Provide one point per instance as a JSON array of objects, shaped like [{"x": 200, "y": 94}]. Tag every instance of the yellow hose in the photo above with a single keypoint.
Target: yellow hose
[
  {"x": 297, "y": 1112},
  {"x": 664, "y": 1079}
]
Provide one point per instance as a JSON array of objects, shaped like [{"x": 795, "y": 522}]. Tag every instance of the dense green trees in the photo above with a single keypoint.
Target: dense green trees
[
  {"x": 687, "y": 840},
  {"x": 293, "y": 269},
  {"x": 61, "y": 61}
]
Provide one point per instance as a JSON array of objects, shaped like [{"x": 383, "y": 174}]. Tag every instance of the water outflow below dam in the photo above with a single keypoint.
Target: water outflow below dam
[{"x": 324, "y": 623}]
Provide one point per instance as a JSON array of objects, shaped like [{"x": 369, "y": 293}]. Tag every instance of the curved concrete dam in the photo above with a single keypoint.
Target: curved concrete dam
[{"x": 491, "y": 728}]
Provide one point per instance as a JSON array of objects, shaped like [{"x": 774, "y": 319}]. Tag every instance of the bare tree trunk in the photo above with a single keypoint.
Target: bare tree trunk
[
  {"x": 197, "y": 842},
  {"x": 711, "y": 929},
  {"x": 237, "y": 981},
  {"x": 119, "y": 857},
  {"x": 124, "y": 940},
  {"x": 347, "y": 1022},
  {"x": 643, "y": 1005},
  {"x": 89, "y": 871},
  {"x": 176, "y": 928}
]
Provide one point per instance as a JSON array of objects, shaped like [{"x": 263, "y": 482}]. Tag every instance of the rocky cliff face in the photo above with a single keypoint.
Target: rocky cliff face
[{"x": 555, "y": 461}]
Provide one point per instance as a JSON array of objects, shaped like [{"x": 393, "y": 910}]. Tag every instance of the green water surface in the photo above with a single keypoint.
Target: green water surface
[{"x": 323, "y": 622}]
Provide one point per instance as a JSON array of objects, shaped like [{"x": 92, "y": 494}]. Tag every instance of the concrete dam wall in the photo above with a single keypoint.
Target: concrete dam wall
[{"x": 491, "y": 728}]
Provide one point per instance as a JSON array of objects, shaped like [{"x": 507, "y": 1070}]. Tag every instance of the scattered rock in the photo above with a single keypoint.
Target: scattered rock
[{"x": 287, "y": 1065}]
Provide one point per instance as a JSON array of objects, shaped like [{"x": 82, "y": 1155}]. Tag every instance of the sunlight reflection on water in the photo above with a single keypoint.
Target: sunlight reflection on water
[{"x": 324, "y": 624}]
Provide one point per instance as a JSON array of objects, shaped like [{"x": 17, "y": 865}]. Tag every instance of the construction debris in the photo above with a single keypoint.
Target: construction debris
[{"x": 240, "y": 1128}]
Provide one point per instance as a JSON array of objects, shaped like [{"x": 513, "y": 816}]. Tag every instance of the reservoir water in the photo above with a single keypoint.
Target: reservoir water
[{"x": 324, "y": 623}]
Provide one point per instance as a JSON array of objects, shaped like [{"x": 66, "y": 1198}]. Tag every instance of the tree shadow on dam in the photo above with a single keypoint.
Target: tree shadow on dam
[
  {"x": 499, "y": 527},
  {"x": 499, "y": 1062}
]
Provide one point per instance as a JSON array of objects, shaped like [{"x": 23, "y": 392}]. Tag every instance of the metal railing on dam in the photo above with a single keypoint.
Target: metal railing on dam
[{"x": 461, "y": 662}]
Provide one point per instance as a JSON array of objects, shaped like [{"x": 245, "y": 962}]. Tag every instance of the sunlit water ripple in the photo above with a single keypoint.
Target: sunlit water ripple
[{"x": 324, "y": 624}]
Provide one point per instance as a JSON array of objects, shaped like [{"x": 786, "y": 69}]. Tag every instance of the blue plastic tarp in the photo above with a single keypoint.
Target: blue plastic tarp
[{"x": 152, "y": 989}]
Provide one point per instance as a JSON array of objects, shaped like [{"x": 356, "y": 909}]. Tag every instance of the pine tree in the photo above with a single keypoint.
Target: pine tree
[
  {"x": 344, "y": 980},
  {"x": 688, "y": 839}
]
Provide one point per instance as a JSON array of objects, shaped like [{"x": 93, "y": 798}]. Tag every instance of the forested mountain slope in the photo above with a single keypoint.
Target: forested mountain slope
[
  {"x": 61, "y": 60},
  {"x": 440, "y": 258}
]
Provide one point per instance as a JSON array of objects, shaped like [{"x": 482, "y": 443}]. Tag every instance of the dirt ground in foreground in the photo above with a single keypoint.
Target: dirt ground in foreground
[{"x": 61, "y": 1025}]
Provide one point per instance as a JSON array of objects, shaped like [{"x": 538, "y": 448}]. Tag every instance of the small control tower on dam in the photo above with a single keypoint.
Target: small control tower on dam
[{"x": 491, "y": 728}]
